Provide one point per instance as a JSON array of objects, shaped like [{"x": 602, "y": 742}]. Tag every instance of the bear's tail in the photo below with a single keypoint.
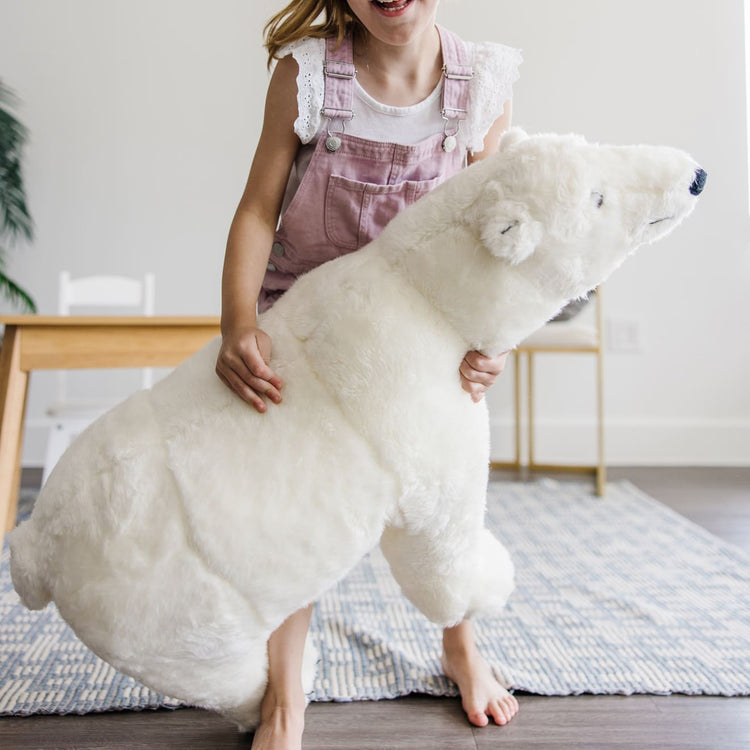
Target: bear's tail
[{"x": 25, "y": 568}]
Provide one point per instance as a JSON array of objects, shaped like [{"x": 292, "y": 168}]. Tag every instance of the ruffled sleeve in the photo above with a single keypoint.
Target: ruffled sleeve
[
  {"x": 309, "y": 54},
  {"x": 495, "y": 72}
]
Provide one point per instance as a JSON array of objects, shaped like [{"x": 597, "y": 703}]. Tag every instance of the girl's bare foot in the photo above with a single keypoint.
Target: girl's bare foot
[
  {"x": 482, "y": 695},
  {"x": 282, "y": 711},
  {"x": 281, "y": 726}
]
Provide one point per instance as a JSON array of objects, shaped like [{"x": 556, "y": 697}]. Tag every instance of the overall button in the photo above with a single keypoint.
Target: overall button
[
  {"x": 270, "y": 267},
  {"x": 277, "y": 249}
]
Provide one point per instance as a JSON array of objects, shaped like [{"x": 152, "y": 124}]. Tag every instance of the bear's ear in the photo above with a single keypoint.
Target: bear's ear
[
  {"x": 505, "y": 227},
  {"x": 511, "y": 137}
]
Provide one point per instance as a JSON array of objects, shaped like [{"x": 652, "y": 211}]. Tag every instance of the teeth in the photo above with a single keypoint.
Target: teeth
[{"x": 392, "y": 4}]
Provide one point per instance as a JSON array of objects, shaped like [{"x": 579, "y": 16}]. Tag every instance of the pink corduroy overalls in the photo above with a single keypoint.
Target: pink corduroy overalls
[{"x": 354, "y": 186}]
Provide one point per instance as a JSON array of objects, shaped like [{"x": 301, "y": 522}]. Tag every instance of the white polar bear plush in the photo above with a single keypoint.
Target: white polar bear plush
[{"x": 183, "y": 527}]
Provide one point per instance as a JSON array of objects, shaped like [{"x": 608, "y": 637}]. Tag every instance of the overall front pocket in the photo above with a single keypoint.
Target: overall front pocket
[{"x": 356, "y": 212}]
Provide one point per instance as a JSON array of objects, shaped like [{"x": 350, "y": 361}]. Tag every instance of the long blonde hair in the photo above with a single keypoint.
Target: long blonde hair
[{"x": 298, "y": 20}]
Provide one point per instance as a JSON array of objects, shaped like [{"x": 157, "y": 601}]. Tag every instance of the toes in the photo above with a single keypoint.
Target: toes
[
  {"x": 499, "y": 714},
  {"x": 478, "y": 718},
  {"x": 503, "y": 710}
]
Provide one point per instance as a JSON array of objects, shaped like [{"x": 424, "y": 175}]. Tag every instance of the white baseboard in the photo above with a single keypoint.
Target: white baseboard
[
  {"x": 636, "y": 442},
  {"x": 632, "y": 442}
]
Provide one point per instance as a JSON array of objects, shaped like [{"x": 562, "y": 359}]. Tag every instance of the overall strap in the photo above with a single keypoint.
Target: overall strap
[
  {"x": 457, "y": 73},
  {"x": 339, "y": 73}
]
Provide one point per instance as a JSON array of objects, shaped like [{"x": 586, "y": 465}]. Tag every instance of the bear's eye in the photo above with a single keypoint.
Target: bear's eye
[{"x": 597, "y": 198}]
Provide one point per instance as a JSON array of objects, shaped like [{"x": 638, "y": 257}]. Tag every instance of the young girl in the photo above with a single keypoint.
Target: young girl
[{"x": 365, "y": 112}]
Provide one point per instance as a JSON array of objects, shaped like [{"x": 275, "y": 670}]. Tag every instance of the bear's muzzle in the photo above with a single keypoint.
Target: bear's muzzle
[{"x": 699, "y": 182}]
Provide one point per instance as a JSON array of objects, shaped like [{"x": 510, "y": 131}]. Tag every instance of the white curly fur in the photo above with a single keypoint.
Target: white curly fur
[{"x": 182, "y": 527}]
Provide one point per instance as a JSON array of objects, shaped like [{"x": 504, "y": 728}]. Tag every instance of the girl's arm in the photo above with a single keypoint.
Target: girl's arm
[
  {"x": 245, "y": 352},
  {"x": 492, "y": 139},
  {"x": 479, "y": 372}
]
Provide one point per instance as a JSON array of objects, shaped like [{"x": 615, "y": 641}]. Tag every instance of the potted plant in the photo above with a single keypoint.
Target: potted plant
[{"x": 15, "y": 220}]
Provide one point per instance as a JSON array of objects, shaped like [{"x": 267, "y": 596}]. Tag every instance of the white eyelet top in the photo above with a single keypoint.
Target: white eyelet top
[{"x": 495, "y": 72}]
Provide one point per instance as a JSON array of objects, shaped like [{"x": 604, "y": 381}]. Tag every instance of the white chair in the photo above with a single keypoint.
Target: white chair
[
  {"x": 92, "y": 295},
  {"x": 574, "y": 336}
]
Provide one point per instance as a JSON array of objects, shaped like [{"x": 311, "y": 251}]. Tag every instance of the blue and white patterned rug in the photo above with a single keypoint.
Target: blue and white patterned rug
[{"x": 617, "y": 595}]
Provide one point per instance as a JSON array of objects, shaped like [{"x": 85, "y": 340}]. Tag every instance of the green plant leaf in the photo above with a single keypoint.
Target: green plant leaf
[
  {"x": 15, "y": 218},
  {"x": 16, "y": 295}
]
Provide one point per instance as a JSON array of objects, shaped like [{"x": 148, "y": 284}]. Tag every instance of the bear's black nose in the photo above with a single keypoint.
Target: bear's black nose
[{"x": 699, "y": 182}]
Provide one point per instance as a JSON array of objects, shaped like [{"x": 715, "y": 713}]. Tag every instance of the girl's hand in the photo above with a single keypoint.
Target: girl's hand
[
  {"x": 479, "y": 372},
  {"x": 242, "y": 365}
]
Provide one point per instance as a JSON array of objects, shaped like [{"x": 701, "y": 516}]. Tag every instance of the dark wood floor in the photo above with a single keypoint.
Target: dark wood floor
[{"x": 718, "y": 499}]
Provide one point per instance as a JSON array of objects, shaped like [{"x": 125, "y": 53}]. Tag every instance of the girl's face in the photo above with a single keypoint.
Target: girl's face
[{"x": 396, "y": 22}]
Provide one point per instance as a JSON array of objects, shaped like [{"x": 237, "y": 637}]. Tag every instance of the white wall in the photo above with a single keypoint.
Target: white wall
[
  {"x": 669, "y": 72},
  {"x": 144, "y": 115}
]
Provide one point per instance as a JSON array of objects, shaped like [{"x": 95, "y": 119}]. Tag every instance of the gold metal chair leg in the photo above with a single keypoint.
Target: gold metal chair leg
[
  {"x": 517, "y": 408},
  {"x": 530, "y": 405},
  {"x": 601, "y": 469}
]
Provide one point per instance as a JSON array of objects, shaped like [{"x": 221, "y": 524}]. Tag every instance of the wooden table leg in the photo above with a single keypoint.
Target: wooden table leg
[
  {"x": 13, "y": 386},
  {"x": 15, "y": 491}
]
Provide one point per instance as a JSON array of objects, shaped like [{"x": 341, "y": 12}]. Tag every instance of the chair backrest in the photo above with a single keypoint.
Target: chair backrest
[
  {"x": 106, "y": 291},
  {"x": 135, "y": 296}
]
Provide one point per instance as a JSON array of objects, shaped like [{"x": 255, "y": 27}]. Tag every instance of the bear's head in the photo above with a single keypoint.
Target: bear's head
[
  {"x": 569, "y": 212},
  {"x": 502, "y": 246}
]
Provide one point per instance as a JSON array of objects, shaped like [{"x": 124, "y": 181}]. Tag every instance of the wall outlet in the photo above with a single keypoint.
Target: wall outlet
[{"x": 622, "y": 336}]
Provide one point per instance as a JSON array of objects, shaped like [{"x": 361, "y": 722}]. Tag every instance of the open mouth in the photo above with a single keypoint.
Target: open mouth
[{"x": 391, "y": 7}]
